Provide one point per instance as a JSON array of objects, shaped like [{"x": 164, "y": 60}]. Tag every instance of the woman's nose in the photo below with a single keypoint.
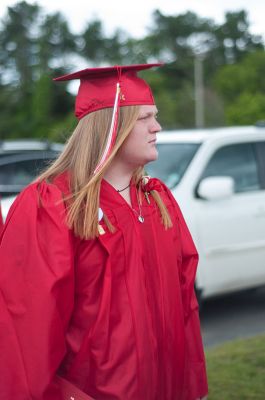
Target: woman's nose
[{"x": 157, "y": 127}]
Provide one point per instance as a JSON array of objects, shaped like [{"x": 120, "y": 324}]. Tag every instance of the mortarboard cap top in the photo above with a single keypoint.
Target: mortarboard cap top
[{"x": 97, "y": 88}]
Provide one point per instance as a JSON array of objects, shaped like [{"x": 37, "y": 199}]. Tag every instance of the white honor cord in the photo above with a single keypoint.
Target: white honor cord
[{"x": 110, "y": 134}]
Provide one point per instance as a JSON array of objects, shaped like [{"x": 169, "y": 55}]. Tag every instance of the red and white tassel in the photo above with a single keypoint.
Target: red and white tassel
[{"x": 113, "y": 130}]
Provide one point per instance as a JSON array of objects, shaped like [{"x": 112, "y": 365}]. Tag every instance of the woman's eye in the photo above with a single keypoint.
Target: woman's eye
[{"x": 145, "y": 117}]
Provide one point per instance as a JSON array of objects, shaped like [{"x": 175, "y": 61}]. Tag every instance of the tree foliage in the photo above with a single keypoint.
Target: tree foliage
[
  {"x": 36, "y": 46},
  {"x": 242, "y": 87}
]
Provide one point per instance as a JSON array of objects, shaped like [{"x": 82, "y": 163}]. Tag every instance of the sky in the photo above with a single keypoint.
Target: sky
[{"x": 135, "y": 16}]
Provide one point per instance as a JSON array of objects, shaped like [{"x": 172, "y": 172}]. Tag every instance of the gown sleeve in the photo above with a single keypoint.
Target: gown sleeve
[
  {"x": 189, "y": 260},
  {"x": 36, "y": 294},
  {"x": 195, "y": 381}
]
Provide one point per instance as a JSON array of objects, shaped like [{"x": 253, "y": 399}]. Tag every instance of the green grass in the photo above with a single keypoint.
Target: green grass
[{"x": 236, "y": 370}]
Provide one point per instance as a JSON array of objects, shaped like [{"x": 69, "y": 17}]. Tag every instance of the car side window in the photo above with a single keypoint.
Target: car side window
[
  {"x": 237, "y": 161},
  {"x": 260, "y": 152},
  {"x": 21, "y": 172}
]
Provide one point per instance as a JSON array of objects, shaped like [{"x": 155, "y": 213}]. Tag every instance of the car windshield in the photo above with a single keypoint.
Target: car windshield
[{"x": 172, "y": 162}]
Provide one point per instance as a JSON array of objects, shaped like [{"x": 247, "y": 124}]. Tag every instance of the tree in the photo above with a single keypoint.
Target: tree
[
  {"x": 18, "y": 44},
  {"x": 36, "y": 46},
  {"x": 31, "y": 46},
  {"x": 55, "y": 43},
  {"x": 234, "y": 40},
  {"x": 242, "y": 87},
  {"x": 247, "y": 109}
]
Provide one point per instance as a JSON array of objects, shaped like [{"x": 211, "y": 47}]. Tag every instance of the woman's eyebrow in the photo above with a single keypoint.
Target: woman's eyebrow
[{"x": 148, "y": 114}]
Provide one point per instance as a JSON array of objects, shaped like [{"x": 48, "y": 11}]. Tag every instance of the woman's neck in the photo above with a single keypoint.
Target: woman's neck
[{"x": 119, "y": 176}]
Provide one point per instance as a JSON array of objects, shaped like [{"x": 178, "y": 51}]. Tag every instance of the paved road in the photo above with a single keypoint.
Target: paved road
[{"x": 232, "y": 317}]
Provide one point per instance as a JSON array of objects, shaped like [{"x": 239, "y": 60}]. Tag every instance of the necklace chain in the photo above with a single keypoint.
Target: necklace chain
[
  {"x": 121, "y": 190},
  {"x": 139, "y": 214}
]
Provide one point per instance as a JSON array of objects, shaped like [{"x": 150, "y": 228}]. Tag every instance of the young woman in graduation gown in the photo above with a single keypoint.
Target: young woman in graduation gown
[{"x": 97, "y": 263}]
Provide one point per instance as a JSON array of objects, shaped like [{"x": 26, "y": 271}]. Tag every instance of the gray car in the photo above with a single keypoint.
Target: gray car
[{"x": 21, "y": 161}]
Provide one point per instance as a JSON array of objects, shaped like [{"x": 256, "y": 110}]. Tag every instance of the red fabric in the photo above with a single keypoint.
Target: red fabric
[
  {"x": 117, "y": 315},
  {"x": 98, "y": 87},
  {"x": 148, "y": 184}
]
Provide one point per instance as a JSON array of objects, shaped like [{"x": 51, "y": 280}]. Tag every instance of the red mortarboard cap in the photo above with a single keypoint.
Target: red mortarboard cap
[{"x": 97, "y": 88}]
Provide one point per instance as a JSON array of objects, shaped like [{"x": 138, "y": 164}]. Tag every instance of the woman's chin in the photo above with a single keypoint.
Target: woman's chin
[
  {"x": 153, "y": 156},
  {"x": 141, "y": 161}
]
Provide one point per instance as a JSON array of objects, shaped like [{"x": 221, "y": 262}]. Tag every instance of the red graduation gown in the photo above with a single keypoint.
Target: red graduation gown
[{"x": 116, "y": 315}]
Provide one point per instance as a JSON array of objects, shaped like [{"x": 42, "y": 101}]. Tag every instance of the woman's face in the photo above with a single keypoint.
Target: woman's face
[{"x": 140, "y": 146}]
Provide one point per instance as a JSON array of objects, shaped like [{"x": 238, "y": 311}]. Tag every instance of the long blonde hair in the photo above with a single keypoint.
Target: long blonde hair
[{"x": 80, "y": 157}]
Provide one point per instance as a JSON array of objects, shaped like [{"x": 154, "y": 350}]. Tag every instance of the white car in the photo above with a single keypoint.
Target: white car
[
  {"x": 6, "y": 203},
  {"x": 218, "y": 178}
]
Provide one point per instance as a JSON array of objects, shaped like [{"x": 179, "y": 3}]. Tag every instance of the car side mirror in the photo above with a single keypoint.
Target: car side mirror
[{"x": 216, "y": 187}]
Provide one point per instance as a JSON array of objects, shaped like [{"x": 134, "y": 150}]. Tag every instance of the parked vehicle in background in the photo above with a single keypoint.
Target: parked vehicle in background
[
  {"x": 218, "y": 178},
  {"x": 20, "y": 162}
]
